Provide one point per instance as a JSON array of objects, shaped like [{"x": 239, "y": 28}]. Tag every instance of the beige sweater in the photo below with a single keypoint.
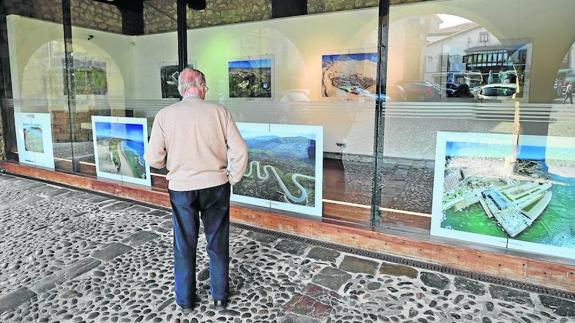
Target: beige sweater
[{"x": 199, "y": 143}]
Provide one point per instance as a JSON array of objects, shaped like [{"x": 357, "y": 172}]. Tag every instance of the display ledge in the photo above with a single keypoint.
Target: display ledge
[{"x": 556, "y": 273}]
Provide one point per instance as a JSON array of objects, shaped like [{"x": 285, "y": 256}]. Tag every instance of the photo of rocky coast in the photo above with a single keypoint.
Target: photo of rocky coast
[{"x": 349, "y": 76}]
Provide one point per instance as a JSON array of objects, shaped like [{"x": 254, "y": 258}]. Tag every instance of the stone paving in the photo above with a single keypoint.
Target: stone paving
[{"x": 73, "y": 256}]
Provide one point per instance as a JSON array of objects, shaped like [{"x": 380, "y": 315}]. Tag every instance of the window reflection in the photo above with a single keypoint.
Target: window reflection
[
  {"x": 450, "y": 58},
  {"x": 565, "y": 79}
]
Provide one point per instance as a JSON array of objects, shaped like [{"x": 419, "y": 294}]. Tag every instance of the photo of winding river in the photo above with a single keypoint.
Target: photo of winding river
[
  {"x": 282, "y": 166},
  {"x": 119, "y": 149}
]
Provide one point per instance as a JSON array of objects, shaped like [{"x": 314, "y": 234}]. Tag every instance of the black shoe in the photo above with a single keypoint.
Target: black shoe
[
  {"x": 189, "y": 309},
  {"x": 221, "y": 304}
]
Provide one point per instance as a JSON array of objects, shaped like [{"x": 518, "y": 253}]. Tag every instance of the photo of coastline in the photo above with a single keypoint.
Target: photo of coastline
[
  {"x": 282, "y": 167},
  {"x": 516, "y": 193},
  {"x": 119, "y": 146},
  {"x": 349, "y": 76},
  {"x": 33, "y": 138},
  {"x": 169, "y": 81},
  {"x": 250, "y": 78}
]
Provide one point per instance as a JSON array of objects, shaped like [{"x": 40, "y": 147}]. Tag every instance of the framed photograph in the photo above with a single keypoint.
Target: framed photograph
[
  {"x": 169, "y": 73},
  {"x": 350, "y": 76},
  {"x": 552, "y": 231},
  {"x": 251, "y": 78},
  {"x": 89, "y": 76},
  {"x": 285, "y": 168},
  {"x": 506, "y": 190},
  {"x": 169, "y": 81},
  {"x": 119, "y": 146},
  {"x": 34, "y": 139}
]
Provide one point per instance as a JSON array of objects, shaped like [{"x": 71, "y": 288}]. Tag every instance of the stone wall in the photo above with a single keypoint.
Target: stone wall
[
  {"x": 85, "y": 13},
  {"x": 320, "y": 6},
  {"x": 160, "y": 15}
]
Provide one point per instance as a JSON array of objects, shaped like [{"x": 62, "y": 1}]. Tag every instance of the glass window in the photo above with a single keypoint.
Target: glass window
[
  {"x": 305, "y": 103},
  {"x": 491, "y": 154},
  {"x": 38, "y": 126},
  {"x": 123, "y": 74}
]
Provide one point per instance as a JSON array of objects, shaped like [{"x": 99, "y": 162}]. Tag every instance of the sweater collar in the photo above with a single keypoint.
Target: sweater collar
[{"x": 191, "y": 97}]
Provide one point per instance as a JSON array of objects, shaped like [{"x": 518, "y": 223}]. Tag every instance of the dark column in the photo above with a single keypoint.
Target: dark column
[
  {"x": 132, "y": 17},
  {"x": 182, "y": 35},
  {"x": 380, "y": 111},
  {"x": 288, "y": 8},
  {"x": 69, "y": 84},
  {"x": 7, "y": 108}
]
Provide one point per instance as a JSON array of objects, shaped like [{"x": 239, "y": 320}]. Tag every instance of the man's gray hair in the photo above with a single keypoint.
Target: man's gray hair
[{"x": 190, "y": 78}]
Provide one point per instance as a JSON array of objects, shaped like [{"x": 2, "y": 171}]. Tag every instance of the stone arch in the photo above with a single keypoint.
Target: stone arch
[{"x": 42, "y": 74}]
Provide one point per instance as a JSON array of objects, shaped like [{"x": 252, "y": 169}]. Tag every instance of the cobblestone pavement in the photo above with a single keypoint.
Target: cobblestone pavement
[{"x": 72, "y": 256}]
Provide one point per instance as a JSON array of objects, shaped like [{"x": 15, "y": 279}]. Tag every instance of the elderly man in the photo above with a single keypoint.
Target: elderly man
[{"x": 200, "y": 145}]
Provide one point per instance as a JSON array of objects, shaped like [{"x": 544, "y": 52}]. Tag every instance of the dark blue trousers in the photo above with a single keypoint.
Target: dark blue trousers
[{"x": 213, "y": 205}]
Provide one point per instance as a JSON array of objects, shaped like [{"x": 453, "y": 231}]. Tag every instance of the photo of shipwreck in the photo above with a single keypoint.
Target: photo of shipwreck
[{"x": 512, "y": 192}]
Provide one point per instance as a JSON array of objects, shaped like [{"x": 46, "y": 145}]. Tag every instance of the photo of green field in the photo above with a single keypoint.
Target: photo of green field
[{"x": 89, "y": 77}]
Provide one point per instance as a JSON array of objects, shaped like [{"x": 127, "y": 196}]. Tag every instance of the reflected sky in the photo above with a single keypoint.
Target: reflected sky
[{"x": 252, "y": 63}]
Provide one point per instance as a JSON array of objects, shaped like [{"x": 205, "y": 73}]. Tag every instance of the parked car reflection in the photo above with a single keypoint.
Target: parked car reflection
[
  {"x": 496, "y": 92},
  {"x": 416, "y": 91}
]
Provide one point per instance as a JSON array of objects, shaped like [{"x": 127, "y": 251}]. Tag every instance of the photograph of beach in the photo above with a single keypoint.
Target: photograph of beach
[
  {"x": 119, "y": 149},
  {"x": 521, "y": 191},
  {"x": 282, "y": 166},
  {"x": 33, "y": 138},
  {"x": 349, "y": 76},
  {"x": 250, "y": 78}
]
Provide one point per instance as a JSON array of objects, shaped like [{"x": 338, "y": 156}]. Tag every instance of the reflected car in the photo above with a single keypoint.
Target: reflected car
[
  {"x": 454, "y": 90},
  {"x": 415, "y": 91},
  {"x": 365, "y": 93},
  {"x": 496, "y": 92}
]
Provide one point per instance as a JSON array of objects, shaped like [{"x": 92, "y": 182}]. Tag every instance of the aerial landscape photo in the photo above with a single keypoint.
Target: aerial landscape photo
[
  {"x": 281, "y": 167},
  {"x": 250, "y": 78},
  {"x": 350, "y": 76},
  {"x": 510, "y": 192},
  {"x": 33, "y": 138},
  {"x": 120, "y": 149},
  {"x": 89, "y": 77}
]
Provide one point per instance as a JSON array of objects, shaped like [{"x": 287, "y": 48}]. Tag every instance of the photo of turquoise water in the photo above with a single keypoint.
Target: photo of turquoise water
[
  {"x": 556, "y": 226},
  {"x": 120, "y": 149},
  {"x": 534, "y": 202}
]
